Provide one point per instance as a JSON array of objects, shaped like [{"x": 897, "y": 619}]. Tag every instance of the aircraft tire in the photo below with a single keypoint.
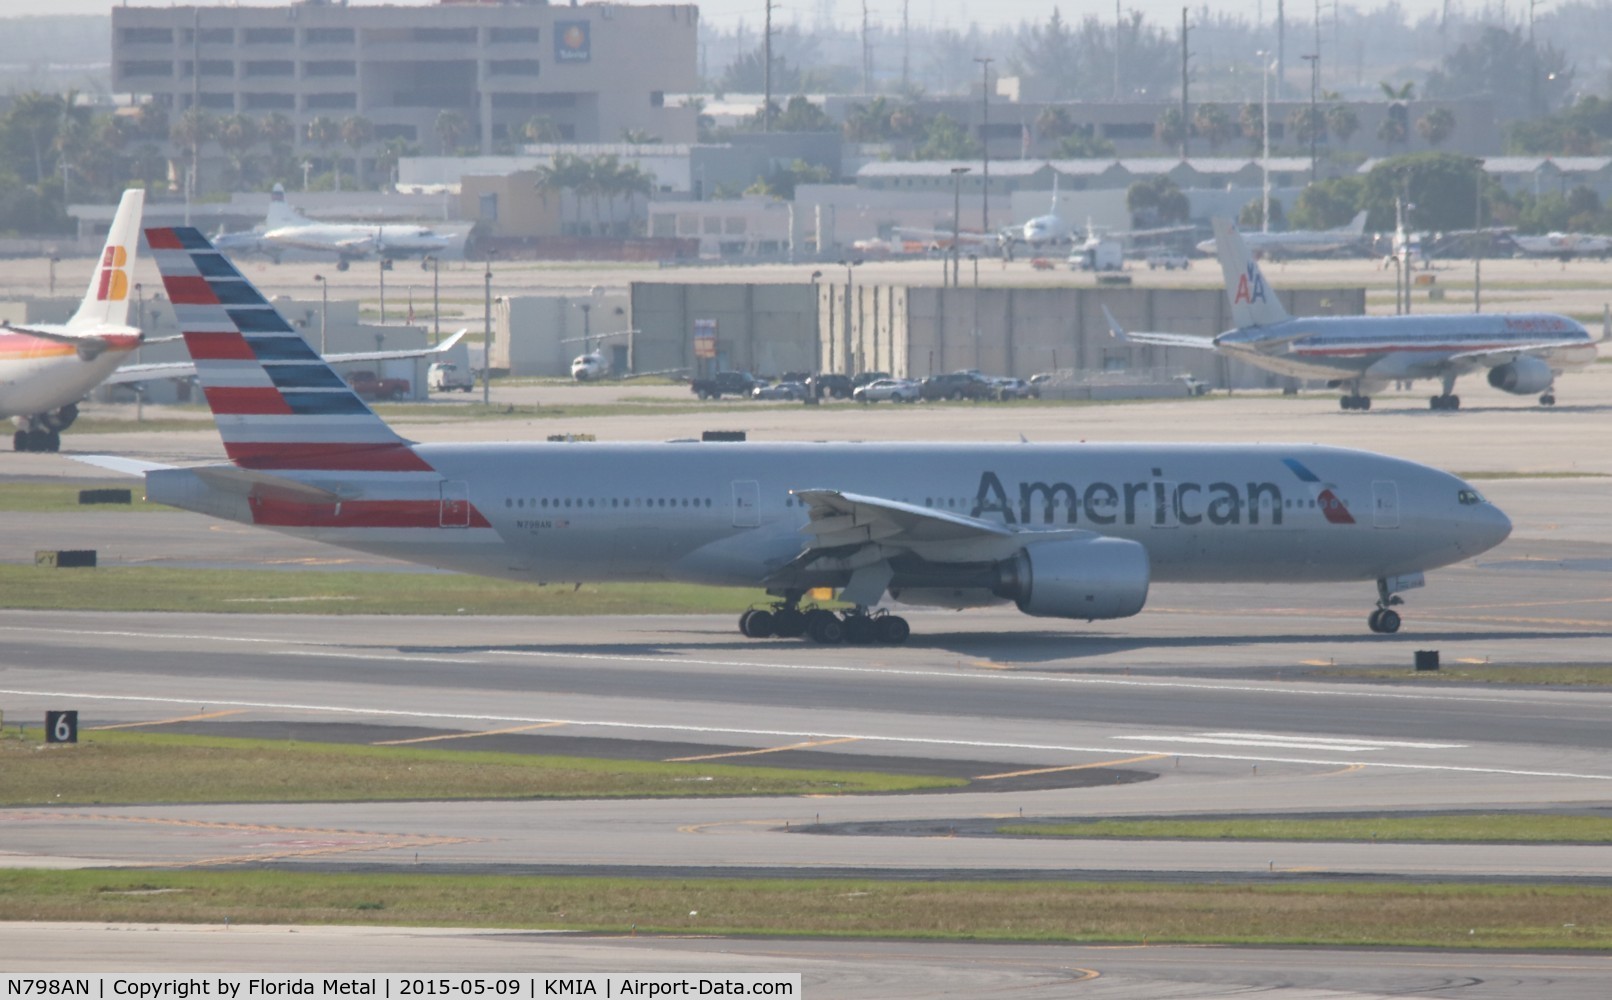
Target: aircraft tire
[
  {"x": 788, "y": 623},
  {"x": 1374, "y": 620},
  {"x": 1548, "y": 399},
  {"x": 756, "y": 624},
  {"x": 1454, "y": 403},
  {"x": 859, "y": 629},
  {"x": 1435, "y": 402},
  {"x": 19, "y": 441},
  {"x": 1388, "y": 621},
  {"x": 342, "y": 265},
  {"x": 52, "y": 441},
  {"x": 1364, "y": 402},
  {"x": 824, "y": 628},
  {"x": 892, "y": 630}
]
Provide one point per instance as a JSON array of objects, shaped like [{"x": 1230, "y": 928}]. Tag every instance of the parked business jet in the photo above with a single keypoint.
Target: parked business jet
[
  {"x": 1521, "y": 352},
  {"x": 46, "y": 368},
  {"x": 1303, "y": 242},
  {"x": 285, "y": 229},
  {"x": 1564, "y": 246},
  {"x": 1064, "y": 531}
]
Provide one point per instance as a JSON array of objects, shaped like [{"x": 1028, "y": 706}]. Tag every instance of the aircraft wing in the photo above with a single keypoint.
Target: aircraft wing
[
  {"x": 851, "y": 530},
  {"x": 1494, "y": 357},
  {"x": 1159, "y": 339},
  {"x": 185, "y": 369}
]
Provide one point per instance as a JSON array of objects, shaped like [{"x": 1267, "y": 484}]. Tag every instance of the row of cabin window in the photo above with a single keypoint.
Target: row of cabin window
[{"x": 523, "y": 502}]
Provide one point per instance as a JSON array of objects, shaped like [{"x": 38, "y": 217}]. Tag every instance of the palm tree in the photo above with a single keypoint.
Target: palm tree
[
  {"x": 542, "y": 128},
  {"x": 1436, "y": 126},
  {"x": 1054, "y": 123},
  {"x": 1171, "y": 129},
  {"x": 323, "y": 133},
  {"x": 237, "y": 134},
  {"x": 1212, "y": 122},
  {"x": 452, "y": 127},
  {"x": 1342, "y": 122},
  {"x": 357, "y": 132},
  {"x": 1396, "y": 124},
  {"x": 1252, "y": 120}
]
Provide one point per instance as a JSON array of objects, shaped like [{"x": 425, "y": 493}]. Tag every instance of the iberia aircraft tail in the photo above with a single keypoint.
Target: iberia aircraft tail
[
  {"x": 106, "y": 304},
  {"x": 1253, "y": 302}
]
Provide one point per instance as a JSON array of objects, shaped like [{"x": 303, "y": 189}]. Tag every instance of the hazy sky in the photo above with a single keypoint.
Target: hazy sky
[{"x": 936, "y": 13}]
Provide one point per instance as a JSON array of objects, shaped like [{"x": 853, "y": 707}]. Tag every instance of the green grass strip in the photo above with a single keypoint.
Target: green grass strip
[
  {"x": 125, "y": 767},
  {"x": 1466, "y": 829},
  {"x": 149, "y": 588},
  {"x": 1553, "y": 674},
  {"x": 1374, "y": 915}
]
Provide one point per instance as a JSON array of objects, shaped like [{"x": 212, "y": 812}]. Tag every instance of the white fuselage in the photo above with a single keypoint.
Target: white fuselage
[
  {"x": 39, "y": 375},
  {"x": 725, "y": 514},
  {"x": 1381, "y": 349},
  {"x": 355, "y": 240}
]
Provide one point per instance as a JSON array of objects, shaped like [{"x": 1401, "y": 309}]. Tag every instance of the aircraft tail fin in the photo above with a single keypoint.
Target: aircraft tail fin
[
  {"x": 106, "y": 303},
  {"x": 1253, "y": 302},
  {"x": 280, "y": 211},
  {"x": 1357, "y": 225},
  {"x": 277, "y": 403}
]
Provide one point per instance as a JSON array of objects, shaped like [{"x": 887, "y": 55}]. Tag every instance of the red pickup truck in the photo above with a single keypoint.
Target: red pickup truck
[{"x": 368, "y": 385}]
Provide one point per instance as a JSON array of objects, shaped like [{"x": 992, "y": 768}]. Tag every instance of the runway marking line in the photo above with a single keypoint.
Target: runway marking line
[
  {"x": 164, "y": 722},
  {"x": 1071, "y": 767},
  {"x": 468, "y": 735},
  {"x": 807, "y": 745}
]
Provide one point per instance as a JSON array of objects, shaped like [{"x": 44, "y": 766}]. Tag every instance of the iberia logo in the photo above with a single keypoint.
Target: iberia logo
[
  {"x": 571, "y": 41},
  {"x": 1331, "y": 507},
  {"x": 114, "y": 283},
  {"x": 1250, "y": 287}
]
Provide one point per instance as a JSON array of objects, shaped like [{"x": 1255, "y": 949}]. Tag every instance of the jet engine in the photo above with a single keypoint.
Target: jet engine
[
  {"x": 1523, "y": 377},
  {"x": 1089, "y": 578}
]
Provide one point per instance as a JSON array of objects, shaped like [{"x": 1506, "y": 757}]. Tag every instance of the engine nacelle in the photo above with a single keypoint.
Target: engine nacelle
[
  {"x": 1090, "y": 579},
  {"x": 1523, "y": 377}
]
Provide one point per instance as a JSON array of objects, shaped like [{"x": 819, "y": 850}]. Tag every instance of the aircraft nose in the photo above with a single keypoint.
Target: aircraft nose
[{"x": 1487, "y": 527}]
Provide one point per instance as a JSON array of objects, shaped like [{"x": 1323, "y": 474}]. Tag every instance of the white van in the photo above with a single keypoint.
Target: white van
[{"x": 443, "y": 376}]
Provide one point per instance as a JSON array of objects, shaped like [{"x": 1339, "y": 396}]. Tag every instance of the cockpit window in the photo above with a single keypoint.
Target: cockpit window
[{"x": 1469, "y": 497}]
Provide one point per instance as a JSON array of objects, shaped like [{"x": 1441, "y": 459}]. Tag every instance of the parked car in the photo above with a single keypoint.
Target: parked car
[
  {"x": 863, "y": 378},
  {"x": 724, "y": 384},
  {"x": 780, "y": 390},
  {"x": 368, "y": 385},
  {"x": 896, "y": 390},
  {"x": 443, "y": 376},
  {"x": 957, "y": 385},
  {"x": 1015, "y": 388},
  {"x": 831, "y": 384},
  {"x": 1170, "y": 260}
]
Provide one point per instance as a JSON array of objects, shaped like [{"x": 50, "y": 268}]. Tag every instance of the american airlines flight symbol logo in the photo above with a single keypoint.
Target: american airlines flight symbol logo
[
  {"x": 1250, "y": 287},
  {"x": 114, "y": 283},
  {"x": 1331, "y": 507}
]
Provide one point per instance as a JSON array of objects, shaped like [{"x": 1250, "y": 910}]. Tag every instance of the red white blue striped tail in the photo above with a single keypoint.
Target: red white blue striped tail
[{"x": 277, "y": 403}]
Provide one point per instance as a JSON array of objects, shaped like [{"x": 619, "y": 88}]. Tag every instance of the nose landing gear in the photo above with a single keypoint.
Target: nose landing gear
[{"x": 1384, "y": 620}]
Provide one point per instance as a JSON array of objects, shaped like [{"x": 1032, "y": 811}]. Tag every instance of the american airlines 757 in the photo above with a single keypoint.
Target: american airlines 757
[{"x": 1074, "y": 531}]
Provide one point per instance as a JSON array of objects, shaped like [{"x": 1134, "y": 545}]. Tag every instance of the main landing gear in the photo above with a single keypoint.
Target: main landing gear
[
  {"x": 1548, "y": 399},
  {"x": 859, "y": 625},
  {"x": 1384, "y": 620},
  {"x": 1355, "y": 402},
  {"x": 43, "y": 431},
  {"x": 1447, "y": 400}
]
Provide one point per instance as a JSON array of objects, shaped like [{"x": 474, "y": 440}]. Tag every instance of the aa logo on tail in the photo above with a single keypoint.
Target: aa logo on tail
[
  {"x": 114, "y": 284},
  {"x": 1250, "y": 287}
]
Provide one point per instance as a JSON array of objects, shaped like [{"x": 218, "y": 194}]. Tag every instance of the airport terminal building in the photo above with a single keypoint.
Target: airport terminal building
[{"x": 595, "y": 70}]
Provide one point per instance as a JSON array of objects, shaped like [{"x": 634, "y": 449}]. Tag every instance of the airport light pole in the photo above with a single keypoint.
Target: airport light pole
[
  {"x": 985, "y": 144},
  {"x": 1265, "y": 135},
  {"x": 487, "y": 332},
  {"x": 381, "y": 270},
  {"x": 436, "y": 300},
  {"x": 324, "y": 311},
  {"x": 957, "y": 212},
  {"x": 1315, "y": 126}
]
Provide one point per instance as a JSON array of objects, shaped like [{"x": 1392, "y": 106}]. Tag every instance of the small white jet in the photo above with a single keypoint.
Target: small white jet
[
  {"x": 1522, "y": 353},
  {"x": 285, "y": 229},
  {"x": 590, "y": 366},
  {"x": 46, "y": 368},
  {"x": 1302, "y": 242},
  {"x": 1075, "y": 531}
]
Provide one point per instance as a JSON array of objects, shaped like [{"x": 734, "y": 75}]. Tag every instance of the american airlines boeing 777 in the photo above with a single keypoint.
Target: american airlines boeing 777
[{"x": 1074, "y": 531}]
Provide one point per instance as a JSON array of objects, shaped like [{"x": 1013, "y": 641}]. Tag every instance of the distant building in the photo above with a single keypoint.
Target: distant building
[{"x": 595, "y": 70}]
